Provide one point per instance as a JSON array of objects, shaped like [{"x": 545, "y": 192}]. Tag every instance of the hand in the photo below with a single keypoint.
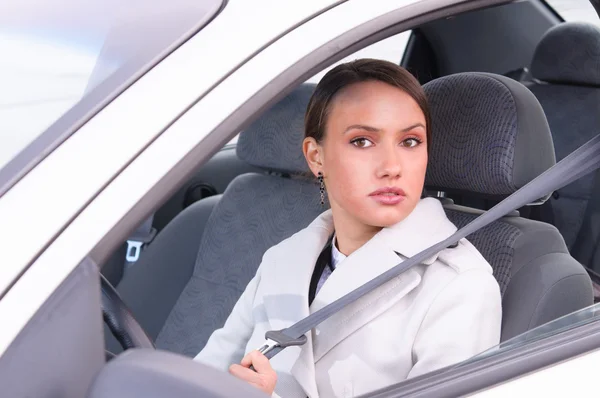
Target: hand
[{"x": 263, "y": 377}]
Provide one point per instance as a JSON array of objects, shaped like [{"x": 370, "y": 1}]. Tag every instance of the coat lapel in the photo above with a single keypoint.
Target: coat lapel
[
  {"x": 287, "y": 300},
  {"x": 426, "y": 225}
]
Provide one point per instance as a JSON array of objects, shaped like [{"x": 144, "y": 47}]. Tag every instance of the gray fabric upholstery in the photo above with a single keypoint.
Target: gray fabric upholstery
[
  {"x": 188, "y": 280},
  {"x": 255, "y": 213},
  {"x": 587, "y": 246},
  {"x": 153, "y": 285},
  {"x": 574, "y": 116},
  {"x": 499, "y": 251},
  {"x": 274, "y": 141},
  {"x": 538, "y": 278},
  {"x": 566, "y": 65},
  {"x": 569, "y": 53},
  {"x": 489, "y": 135}
]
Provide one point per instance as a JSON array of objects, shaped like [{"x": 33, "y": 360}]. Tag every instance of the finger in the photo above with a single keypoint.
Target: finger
[
  {"x": 265, "y": 382},
  {"x": 244, "y": 373},
  {"x": 247, "y": 360},
  {"x": 261, "y": 363},
  {"x": 252, "y": 357}
]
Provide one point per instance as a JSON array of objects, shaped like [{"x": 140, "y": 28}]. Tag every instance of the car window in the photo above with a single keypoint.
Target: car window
[
  {"x": 575, "y": 10},
  {"x": 568, "y": 322},
  {"x": 390, "y": 49},
  {"x": 60, "y": 65}
]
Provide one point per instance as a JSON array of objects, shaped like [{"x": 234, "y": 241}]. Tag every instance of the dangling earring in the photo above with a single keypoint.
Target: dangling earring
[{"x": 321, "y": 188}]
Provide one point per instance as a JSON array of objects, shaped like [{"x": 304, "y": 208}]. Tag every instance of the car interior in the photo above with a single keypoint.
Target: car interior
[
  {"x": 186, "y": 280},
  {"x": 513, "y": 89}
]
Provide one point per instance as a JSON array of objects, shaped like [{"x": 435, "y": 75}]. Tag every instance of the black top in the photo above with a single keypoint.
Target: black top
[{"x": 324, "y": 260}]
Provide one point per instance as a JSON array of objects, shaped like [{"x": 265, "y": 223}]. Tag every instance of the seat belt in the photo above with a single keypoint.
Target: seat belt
[
  {"x": 579, "y": 163},
  {"x": 143, "y": 235}
]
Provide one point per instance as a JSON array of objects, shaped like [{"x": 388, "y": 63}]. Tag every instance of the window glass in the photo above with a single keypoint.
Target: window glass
[
  {"x": 575, "y": 10},
  {"x": 568, "y": 322},
  {"x": 58, "y": 53},
  {"x": 390, "y": 49}
]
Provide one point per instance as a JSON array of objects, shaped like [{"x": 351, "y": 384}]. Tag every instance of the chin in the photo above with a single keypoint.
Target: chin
[{"x": 386, "y": 218}]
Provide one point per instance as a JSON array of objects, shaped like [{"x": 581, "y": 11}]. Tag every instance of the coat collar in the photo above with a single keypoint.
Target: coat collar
[{"x": 426, "y": 225}]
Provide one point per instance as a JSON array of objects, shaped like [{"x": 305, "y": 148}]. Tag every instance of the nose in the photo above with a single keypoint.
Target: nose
[{"x": 390, "y": 165}]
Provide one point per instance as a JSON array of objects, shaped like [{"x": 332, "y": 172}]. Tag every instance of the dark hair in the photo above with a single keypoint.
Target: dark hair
[{"x": 361, "y": 70}]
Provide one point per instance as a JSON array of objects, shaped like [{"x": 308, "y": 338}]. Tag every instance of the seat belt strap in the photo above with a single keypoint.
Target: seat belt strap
[
  {"x": 579, "y": 163},
  {"x": 143, "y": 235}
]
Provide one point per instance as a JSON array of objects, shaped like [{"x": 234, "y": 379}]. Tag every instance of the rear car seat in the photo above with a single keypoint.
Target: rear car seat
[{"x": 565, "y": 73}]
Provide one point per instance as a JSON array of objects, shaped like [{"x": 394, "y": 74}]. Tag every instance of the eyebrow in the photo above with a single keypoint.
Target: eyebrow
[{"x": 376, "y": 130}]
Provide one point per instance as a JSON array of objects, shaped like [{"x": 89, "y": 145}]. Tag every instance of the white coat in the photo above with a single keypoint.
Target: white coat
[{"x": 438, "y": 313}]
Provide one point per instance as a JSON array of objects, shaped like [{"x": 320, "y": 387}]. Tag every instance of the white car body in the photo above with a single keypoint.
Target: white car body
[{"x": 90, "y": 191}]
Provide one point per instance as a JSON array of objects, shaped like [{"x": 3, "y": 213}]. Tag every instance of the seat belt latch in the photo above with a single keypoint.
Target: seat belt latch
[
  {"x": 134, "y": 248},
  {"x": 276, "y": 338},
  {"x": 135, "y": 245}
]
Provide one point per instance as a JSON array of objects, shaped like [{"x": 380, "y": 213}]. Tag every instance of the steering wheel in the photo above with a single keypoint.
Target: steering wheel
[{"x": 120, "y": 320}]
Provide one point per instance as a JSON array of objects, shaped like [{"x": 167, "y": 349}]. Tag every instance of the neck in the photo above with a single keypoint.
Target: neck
[{"x": 350, "y": 233}]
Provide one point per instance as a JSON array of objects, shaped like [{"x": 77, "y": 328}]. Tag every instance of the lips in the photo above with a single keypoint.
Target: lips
[{"x": 388, "y": 195}]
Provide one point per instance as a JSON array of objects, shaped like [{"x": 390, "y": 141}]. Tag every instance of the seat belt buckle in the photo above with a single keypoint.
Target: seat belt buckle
[
  {"x": 276, "y": 338},
  {"x": 135, "y": 245},
  {"x": 134, "y": 249}
]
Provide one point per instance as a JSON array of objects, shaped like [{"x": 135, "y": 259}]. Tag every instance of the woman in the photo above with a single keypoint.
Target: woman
[{"x": 366, "y": 140}]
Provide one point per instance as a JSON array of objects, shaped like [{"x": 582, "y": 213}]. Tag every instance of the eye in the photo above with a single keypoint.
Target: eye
[
  {"x": 361, "y": 142},
  {"x": 410, "y": 142}
]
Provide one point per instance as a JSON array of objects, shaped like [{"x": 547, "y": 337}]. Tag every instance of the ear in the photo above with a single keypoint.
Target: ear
[{"x": 313, "y": 153}]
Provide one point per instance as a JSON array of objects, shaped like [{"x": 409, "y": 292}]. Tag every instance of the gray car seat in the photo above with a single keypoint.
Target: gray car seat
[
  {"x": 566, "y": 80},
  {"x": 490, "y": 137},
  {"x": 188, "y": 280}
]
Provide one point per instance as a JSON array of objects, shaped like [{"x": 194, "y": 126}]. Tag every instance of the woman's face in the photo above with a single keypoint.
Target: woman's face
[{"x": 374, "y": 154}]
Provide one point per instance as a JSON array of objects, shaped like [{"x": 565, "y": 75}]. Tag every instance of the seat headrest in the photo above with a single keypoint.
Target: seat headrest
[
  {"x": 489, "y": 135},
  {"x": 568, "y": 53},
  {"x": 274, "y": 141}
]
